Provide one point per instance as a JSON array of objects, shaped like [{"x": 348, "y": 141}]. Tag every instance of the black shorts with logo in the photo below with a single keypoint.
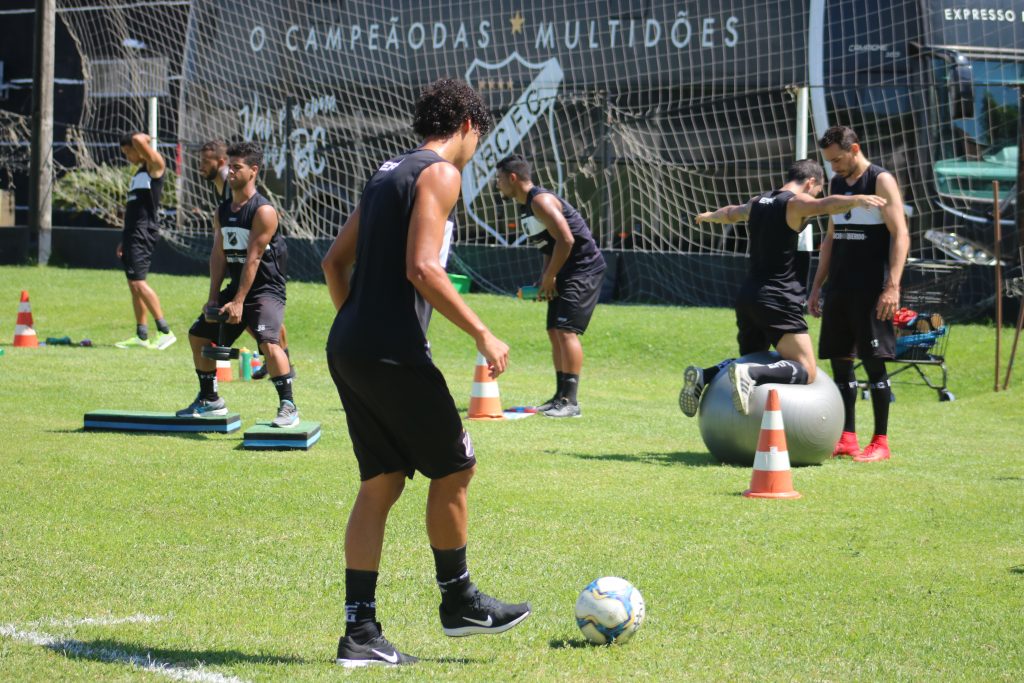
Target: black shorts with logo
[
  {"x": 851, "y": 328},
  {"x": 263, "y": 315},
  {"x": 137, "y": 251},
  {"x": 577, "y": 298},
  {"x": 401, "y": 418},
  {"x": 761, "y": 324}
]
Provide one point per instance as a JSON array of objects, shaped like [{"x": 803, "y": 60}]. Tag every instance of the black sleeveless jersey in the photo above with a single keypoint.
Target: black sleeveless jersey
[
  {"x": 773, "y": 246},
  {"x": 860, "y": 243},
  {"x": 384, "y": 317},
  {"x": 235, "y": 227},
  {"x": 585, "y": 258},
  {"x": 142, "y": 211}
]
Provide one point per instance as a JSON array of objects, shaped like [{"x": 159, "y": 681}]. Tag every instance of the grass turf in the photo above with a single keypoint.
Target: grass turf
[{"x": 911, "y": 569}]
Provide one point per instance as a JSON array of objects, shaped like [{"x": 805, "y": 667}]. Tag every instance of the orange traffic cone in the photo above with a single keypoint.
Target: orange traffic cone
[
  {"x": 24, "y": 335},
  {"x": 771, "y": 478},
  {"x": 224, "y": 371},
  {"x": 484, "y": 401}
]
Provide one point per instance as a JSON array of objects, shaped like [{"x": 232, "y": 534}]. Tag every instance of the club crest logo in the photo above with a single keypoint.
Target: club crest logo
[{"x": 530, "y": 117}]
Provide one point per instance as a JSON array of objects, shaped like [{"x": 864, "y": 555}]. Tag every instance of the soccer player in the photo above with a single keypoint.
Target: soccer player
[
  {"x": 860, "y": 265},
  {"x": 570, "y": 280},
  {"x": 141, "y": 232},
  {"x": 401, "y": 416},
  {"x": 246, "y": 246},
  {"x": 213, "y": 167},
  {"x": 769, "y": 306}
]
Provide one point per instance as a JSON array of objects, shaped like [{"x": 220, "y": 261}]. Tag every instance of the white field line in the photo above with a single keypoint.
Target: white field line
[
  {"x": 98, "y": 621},
  {"x": 77, "y": 648}
]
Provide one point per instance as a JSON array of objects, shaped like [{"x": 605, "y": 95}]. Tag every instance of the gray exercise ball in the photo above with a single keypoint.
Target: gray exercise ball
[{"x": 811, "y": 413}]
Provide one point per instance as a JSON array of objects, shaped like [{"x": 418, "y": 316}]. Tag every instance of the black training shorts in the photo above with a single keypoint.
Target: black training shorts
[
  {"x": 401, "y": 418},
  {"x": 263, "y": 315},
  {"x": 577, "y": 298},
  {"x": 761, "y": 324},
  {"x": 850, "y": 327},
  {"x": 137, "y": 251}
]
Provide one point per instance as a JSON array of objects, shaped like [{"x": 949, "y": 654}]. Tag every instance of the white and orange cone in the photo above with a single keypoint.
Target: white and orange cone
[
  {"x": 484, "y": 401},
  {"x": 772, "y": 477},
  {"x": 224, "y": 371},
  {"x": 24, "y": 334}
]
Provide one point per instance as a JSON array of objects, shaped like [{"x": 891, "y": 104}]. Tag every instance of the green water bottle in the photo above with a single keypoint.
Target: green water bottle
[{"x": 245, "y": 364}]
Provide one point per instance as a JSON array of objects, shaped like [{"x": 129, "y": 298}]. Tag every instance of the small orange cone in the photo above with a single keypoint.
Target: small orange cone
[
  {"x": 24, "y": 335},
  {"x": 224, "y": 371},
  {"x": 771, "y": 478},
  {"x": 484, "y": 401}
]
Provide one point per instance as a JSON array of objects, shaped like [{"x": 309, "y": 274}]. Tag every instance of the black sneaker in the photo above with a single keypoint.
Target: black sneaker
[
  {"x": 482, "y": 614},
  {"x": 548, "y": 404},
  {"x": 563, "y": 408},
  {"x": 693, "y": 386},
  {"x": 262, "y": 371},
  {"x": 375, "y": 652}
]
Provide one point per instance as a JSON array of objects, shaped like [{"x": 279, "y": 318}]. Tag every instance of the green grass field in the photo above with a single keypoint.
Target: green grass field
[{"x": 906, "y": 570}]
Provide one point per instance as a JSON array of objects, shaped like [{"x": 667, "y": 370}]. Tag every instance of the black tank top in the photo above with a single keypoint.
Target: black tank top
[
  {"x": 860, "y": 244},
  {"x": 142, "y": 211},
  {"x": 773, "y": 245},
  {"x": 235, "y": 227},
  {"x": 584, "y": 258},
  {"x": 384, "y": 317}
]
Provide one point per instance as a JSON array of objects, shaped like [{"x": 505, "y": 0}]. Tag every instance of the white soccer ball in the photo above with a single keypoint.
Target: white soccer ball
[{"x": 609, "y": 610}]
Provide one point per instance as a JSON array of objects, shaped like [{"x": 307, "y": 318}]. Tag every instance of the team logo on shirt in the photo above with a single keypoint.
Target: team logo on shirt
[{"x": 529, "y": 118}]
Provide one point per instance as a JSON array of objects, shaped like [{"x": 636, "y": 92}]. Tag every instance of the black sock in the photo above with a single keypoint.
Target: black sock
[
  {"x": 161, "y": 325},
  {"x": 361, "y": 605},
  {"x": 881, "y": 393},
  {"x": 142, "y": 331},
  {"x": 283, "y": 384},
  {"x": 846, "y": 382},
  {"x": 559, "y": 383},
  {"x": 570, "y": 384},
  {"x": 452, "y": 575},
  {"x": 780, "y": 372},
  {"x": 712, "y": 372},
  {"x": 208, "y": 385}
]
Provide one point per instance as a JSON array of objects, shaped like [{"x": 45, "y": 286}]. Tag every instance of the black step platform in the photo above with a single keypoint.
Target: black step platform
[
  {"x": 141, "y": 421},
  {"x": 265, "y": 437}
]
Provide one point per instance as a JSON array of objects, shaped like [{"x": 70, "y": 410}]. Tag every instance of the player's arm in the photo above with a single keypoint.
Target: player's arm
[
  {"x": 548, "y": 210},
  {"x": 899, "y": 244},
  {"x": 802, "y": 206},
  {"x": 155, "y": 164},
  {"x": 734, "y": 213},
  {"x": 339, "y": 260},
  {"x": 264, "y": 225},
  {"x": 437, "y": 190},
  {"x": 824, "y": 258},
  {"x": 218, "y": 263}
]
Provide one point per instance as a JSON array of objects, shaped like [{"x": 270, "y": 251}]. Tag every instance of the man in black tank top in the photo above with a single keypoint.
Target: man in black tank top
[
  {"x": 769, "y": 307},
  {"x": 246, "y": 245},
  {"x": 385, "y": 273},
  {"x": 860, "y": 266},
  {"x": 213, "y": 167},
  {"x": 139, "y": 237},
  {"x": 570, "y": 278}
]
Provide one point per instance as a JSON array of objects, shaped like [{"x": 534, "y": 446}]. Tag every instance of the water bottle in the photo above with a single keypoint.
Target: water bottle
[{"x": 245, "y": 364}]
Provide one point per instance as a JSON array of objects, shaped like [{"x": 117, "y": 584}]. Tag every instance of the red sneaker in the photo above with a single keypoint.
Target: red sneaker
[
  {"x": 847, "y": 445},
  {"x": 876, "y": 451}
]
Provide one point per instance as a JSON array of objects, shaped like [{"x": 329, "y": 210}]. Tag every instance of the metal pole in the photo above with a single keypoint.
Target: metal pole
[
  {"x": 806, "y": 240},
  {"x": 289, "y": 124},
  {"x": 999, "y": 277},
  {"x": 40, "y": 218},
  {"x": 152, "y": 122}
]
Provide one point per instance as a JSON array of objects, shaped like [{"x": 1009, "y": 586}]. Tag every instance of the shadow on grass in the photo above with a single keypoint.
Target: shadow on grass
[
  {"x": 568, "y": 643},
  {"x": 664, "y": 459},
  {"x": 458, "y": 660},
  {"x": 194, "y": 436},
  {"x": 1017, "y": 569},
  {"x": 116, "y": 652}
]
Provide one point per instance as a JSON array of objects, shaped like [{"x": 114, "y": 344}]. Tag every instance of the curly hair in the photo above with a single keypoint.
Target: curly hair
[
  {"x": 250, "y": 152},
  {"x": 443, "y": 106}
]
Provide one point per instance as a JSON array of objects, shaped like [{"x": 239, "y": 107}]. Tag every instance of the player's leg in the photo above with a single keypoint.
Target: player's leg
[
  {"x": 573, "y": 309},
  {"x": 264, "y": 316},
  {"x": 208, "y": 401},
  {"x": 838, "y": 343},
  {"x": 556, "y": 359},
  {"x": 135, "y": 260},
  {"x": 879, "y": 343},
  {"x": 143, "y": 293}
]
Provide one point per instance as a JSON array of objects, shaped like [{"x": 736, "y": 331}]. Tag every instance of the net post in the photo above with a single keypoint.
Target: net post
[
  {"x": 289, "y": 125},
  {"x": 999, "y": 277},
  {"x": 41, "y": 163},
  {"x": 152, "y": 113}
]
